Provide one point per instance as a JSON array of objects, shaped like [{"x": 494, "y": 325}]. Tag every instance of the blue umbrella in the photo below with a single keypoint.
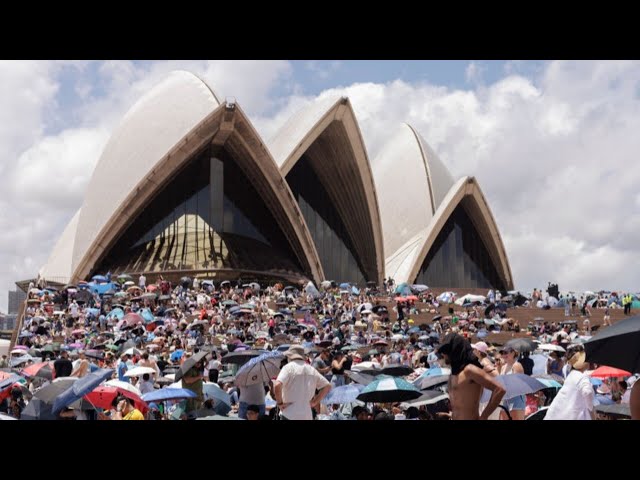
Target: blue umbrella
[
  {"x": 345, "y": 286},
  {"x": 386, "y": 389},
  {"x": 168, "y": 394},
  {"x": 260, "y": 369},
  {"x": 177, "y": 355},
  {"x": 343, "y": 394},
  {"x": 99, "y": 278},
  {"x": 81, "y": 388},
  {"x": 550, "y": 383},
  {"x": 116, "y": 313},
  {"x": 413, "y": 330},
  {"x": 93, "y": 311},
  {"x": 147, "y": 315},
  {"x": 516, "y": 384},
  {"x": 214, "y": 392}
]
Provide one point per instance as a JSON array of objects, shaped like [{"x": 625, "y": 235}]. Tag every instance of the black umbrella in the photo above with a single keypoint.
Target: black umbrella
[
  {"x": 241, "y": 357},
  {"x": 189, "y": 363},
  {"x": 437, "y": 317},
  {"x": 488, "y": 310},
  {"x": 617, "y": 346},
  {"x": 397, "y": 370}
]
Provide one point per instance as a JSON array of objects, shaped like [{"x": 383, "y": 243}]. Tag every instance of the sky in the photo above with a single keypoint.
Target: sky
[{"x": 553, "y": 145}]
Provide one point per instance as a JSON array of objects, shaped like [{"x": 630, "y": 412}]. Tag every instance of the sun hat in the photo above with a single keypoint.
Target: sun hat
[
  {"x": 481, "y": 347},
  {"x": 295, "y": 352}
]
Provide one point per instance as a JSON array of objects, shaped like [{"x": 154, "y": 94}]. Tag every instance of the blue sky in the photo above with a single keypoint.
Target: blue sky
[{"x": 553, "y": 145}]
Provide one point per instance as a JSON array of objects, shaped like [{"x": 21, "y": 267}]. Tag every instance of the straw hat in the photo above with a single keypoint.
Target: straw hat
[{"x": 577, "y": 360}]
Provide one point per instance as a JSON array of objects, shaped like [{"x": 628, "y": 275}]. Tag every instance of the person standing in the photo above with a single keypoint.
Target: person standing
[
  {"x": 467, "y": 380},
  {"x": 517, "y": 404},
  {"x": 142, "y": 281},
  {"x": 607, "y": 317},
  {"x": 63, "y": 365},
  {"x": 575, "y": 399},
  {"x": 296, "y": 385}
]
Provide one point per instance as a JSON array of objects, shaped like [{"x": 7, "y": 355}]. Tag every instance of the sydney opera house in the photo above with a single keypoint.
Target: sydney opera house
[{"x": 186, "y": 186}]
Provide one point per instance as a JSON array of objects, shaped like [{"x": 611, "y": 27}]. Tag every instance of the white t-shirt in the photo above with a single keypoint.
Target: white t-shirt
[
  {"x": 299, "y": 384},
  {"x": 574, "y": 401},
  {"x": 142, "y": 281}
]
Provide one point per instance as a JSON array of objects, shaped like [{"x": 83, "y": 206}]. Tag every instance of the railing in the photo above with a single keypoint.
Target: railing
[{"x": 18, "y": 325}]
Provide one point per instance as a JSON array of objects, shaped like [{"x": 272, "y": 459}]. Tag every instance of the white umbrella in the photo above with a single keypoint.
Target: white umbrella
[
  {"x": 132, "y": 351},
  {"x": 551, "y": 347},
  {"x": 365, "y": 366},
  {"x": 446, "y": 297},
  {"x": 468, "y": 298},
  {"x": 552, "y": 301},
  {"x": 124, "y": 385},
  {"x": 139, "y": 371}
]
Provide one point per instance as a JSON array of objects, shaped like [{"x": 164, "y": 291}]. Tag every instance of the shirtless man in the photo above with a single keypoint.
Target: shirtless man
[{"x": 467, "y": 380}]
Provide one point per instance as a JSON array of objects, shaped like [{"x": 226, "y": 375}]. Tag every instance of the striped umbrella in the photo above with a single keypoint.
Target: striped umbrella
[
  {"x": 260, "y": 369},
  {"x": 388, "y": 389}
]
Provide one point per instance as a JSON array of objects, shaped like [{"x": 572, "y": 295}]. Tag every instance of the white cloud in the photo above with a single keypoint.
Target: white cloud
[
  {"x": 553, "y": 151},
  {"x": 554, "y": 154},
  {"x": 474, "y": 72}
]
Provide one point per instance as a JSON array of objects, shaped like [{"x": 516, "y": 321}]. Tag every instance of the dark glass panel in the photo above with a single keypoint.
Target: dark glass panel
[{"x": 459, "y": 258}]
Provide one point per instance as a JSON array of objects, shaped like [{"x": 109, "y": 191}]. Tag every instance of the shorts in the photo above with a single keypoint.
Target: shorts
[{"x": 516, "y": 403}]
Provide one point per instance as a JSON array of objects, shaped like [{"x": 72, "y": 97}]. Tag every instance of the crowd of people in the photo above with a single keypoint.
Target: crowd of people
[{"x": 196, "y": 349}]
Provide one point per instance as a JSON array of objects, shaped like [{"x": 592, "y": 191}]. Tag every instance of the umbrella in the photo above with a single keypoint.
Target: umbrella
[
  {"x": 260, "y": 369},
  {"x": 99, "y": 278},
  {"x": 551, "y": 347},
  {"x": 9, "y": 381},
  {"x": 213, "y": 392},
  {"x": 240, "y": 358},
  {"x": 219, "y": 417},
  {"x": 549, "y": 376},
  {"x": 81, "y": 387},
  {"x": 42, "y": 370},
  {"x": 343, "y": 394},
  {"x": 168, "y": 394},
  {"x": 361, "y": 378},
  {"x": 132, "y": 351},
  {"x": 609, "y": 372},
  {"x": 104, "y": 395},
  {"x": 617, "y": 345},
  {"x": 516, "y": 384},
  {"x": 550, "y": 383},
  {"x": 388, "y": 389},
  {"x": 396, "y": 370},
  {"x": 177, "y": 355},
  {"x": 617, "y": 409},
  {"x": 116, "y": 313},
  {"x": 426, "y": 382},
  {"x": 123, "y": 386},
  {"x": 419, "y": 288},
  {"x": 189, "y": 363},
  {"x": 436, "y": 318},
  {"x": 428, "y": 397},
  {"x": 146, "y": 315},
  {"x": 37, "y": 409},
  {"x": 139, "y": 371},
  {"x": 522, "y": 344}
]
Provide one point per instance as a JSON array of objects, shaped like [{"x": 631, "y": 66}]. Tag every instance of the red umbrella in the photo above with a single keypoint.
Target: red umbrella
[
  {"x": 129, "y": 320},
  {"x": 412, "y": 298},
  {"x": 152, "y": 288},
  {"x": 608, "y": 372},
  {"x": 42, "y": 370},
  {"x": 103, "y": 397},
  {"x": 400, "y": 299}
]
